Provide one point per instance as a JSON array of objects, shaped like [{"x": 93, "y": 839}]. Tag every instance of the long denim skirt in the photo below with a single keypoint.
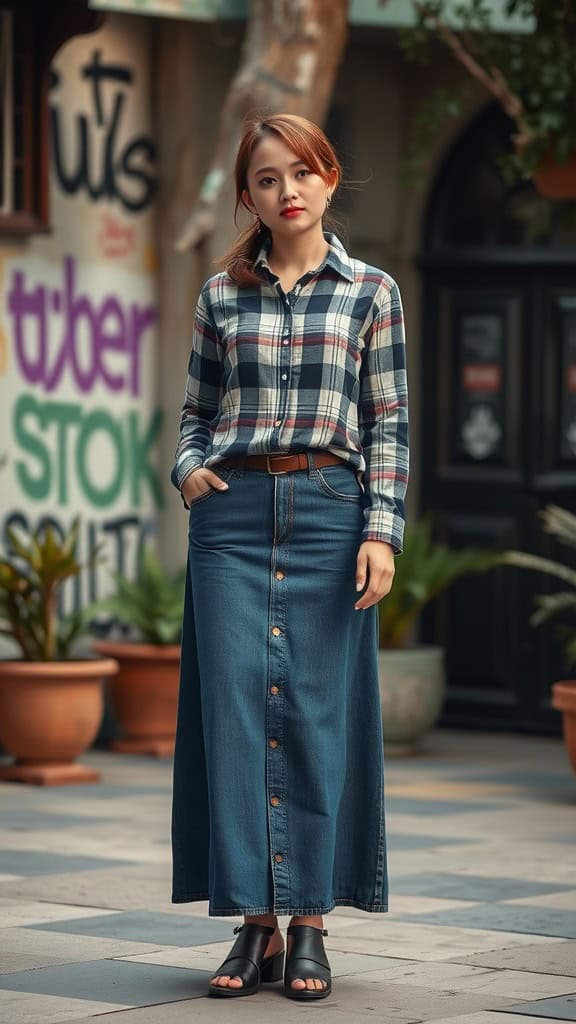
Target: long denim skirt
[{"x": 278, "y": 796}]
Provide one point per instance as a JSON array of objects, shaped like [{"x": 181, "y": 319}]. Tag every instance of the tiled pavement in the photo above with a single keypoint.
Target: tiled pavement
[{"x": 482, "y": 927}]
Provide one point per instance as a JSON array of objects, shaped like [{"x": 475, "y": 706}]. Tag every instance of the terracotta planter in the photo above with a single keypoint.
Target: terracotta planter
[
  {"x": 556, "y": 181},
  {"x": 50, "y": 712},
  {"x": 564, "y": 700},
  {"x": 412, "y": 689},
  {"x": 144, "y": 695}
]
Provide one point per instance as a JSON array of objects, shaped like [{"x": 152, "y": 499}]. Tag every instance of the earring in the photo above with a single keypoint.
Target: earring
[
  {"x": 258, "y": 225},
  {"x": 328, "y": 199}
]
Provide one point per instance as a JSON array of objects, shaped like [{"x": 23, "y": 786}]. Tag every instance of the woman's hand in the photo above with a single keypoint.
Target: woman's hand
[
  {"x": 375, "y": 564},
  {"x": 199, "y": 482}
]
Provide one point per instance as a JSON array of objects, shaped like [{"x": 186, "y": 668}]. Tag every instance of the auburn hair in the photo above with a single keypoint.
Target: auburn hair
[{"x": 307, "y": 140}]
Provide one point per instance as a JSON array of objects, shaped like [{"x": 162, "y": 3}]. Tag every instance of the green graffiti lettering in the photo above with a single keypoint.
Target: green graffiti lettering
[
  {"x": 140, "y": 448},
  {"x": 64, "y": 414},
  {"x": 57, "y": 439},
  {"x": 35, "y": 485},
  {"x": 92, "y": 424}
]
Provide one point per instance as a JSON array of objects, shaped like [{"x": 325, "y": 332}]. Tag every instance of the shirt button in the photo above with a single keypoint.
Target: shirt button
[
  {"x": 273, "y": 744},
  {"x": 279, "y": 575},
  {"x": 284, "y": 376},
  {"x": 274, "y": 690},
  {"x": 277, "y": 423},
  {"x": 278, "y": 857},
  {"x": 274, "y": 800},
  {"x": 285, "y": 342},
  {"x": 276, "y": 631}
]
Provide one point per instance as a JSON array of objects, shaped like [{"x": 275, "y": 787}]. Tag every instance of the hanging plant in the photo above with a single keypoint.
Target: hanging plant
[{"x": 531, "y": 73}]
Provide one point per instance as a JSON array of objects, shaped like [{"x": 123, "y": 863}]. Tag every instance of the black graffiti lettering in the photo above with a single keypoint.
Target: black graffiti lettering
[
  {"x": 100, "y": 72},
  {"x": 99, "y": 164},
  {"x": 127, "y": 533},
  {"x": 140, "y": 146},
  {"x": 115, "y": 528}
]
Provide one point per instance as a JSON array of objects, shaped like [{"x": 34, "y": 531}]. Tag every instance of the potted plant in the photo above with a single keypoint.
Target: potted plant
[
  {"x": 51, "y": 702},
  {"x": 530, "y": 70},
  {"x": 144, "y": 694},
  {"x": 412, "y": 678},
  {"x": 561, "y": 524}
]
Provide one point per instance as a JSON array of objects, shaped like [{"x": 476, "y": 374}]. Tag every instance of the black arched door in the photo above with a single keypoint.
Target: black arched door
[{"x": 499, "y": 418}]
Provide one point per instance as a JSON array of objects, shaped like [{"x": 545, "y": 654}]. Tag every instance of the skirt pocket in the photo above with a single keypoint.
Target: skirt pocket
[{"x": 339, "y": 482}]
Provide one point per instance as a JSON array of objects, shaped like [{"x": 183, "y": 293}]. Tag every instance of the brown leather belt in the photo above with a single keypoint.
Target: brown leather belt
[{"x": 285, "y": 463}]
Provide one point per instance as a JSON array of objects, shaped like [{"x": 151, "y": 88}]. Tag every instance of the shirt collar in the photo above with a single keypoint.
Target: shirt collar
[{"x": 337, "y": 256}]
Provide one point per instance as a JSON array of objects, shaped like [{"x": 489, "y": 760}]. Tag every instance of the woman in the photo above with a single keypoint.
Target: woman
[{"x": 293, "y": 461}]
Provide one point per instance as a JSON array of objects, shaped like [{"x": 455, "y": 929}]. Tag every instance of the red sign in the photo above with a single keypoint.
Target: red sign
[
  {"x": 571, "y": 377},
  {"x": 482, "y": 377},
  {"x": 116, "y": 238}
]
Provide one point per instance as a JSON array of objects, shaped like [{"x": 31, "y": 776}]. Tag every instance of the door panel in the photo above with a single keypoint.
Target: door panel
[{"x": 499, "y": 408}]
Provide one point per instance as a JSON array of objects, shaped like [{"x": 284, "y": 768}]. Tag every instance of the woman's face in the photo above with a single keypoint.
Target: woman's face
[{"x": 279, "y": 180}]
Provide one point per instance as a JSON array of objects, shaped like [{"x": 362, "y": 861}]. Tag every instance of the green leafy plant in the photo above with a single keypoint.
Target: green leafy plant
[
  {"x": 31, "y": 576},
  {"x": 152, "y": 604},
  {"x": 561, "y": 524},
  {"x": 531, "y": 74},
  {"x": 424, "y": 570}
]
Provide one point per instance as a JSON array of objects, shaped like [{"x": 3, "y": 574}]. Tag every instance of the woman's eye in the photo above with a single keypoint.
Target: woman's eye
[
  {"x": 265, "y": 181},
  {"x": 303, "y": 171}
]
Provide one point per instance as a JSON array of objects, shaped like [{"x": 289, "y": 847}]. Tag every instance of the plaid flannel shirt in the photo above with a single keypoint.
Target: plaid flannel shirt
[{"x": 323, "y": 366}]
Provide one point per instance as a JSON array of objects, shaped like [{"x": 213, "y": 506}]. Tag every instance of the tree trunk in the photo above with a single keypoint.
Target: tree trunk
[{"x": 290, "y": 57}]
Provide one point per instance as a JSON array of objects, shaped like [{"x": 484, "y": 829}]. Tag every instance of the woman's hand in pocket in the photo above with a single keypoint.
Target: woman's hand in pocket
[{"x": 199, "y": 482}]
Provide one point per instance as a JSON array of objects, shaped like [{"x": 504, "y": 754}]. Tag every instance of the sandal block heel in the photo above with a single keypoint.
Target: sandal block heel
[
  {"x": 307, "y": 959},
  {"x": 272, "y": 967}
]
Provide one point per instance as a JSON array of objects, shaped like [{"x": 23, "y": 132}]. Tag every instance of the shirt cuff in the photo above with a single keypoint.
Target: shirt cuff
[
  {"x": 385, "y": 526},
  {"x": 187, "y": 466},
  {"x": 181, "y": 472}
]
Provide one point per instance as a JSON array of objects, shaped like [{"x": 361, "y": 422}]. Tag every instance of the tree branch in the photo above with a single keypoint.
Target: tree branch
[
  {"x": 492, "y": 78},
  {"x": 289, "y": 61}
]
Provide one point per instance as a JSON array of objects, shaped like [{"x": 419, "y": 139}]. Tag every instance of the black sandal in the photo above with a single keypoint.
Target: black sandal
[
  {"x": 307, "y": 959},
  {"x": 245, "y": 961}
]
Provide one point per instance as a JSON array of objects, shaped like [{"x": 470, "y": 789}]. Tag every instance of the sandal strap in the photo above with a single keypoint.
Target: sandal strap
[{"x": 307, "y": 946}]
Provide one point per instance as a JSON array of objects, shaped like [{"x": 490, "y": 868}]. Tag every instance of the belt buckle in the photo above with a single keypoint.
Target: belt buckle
[{"x": 280, "y": 472}]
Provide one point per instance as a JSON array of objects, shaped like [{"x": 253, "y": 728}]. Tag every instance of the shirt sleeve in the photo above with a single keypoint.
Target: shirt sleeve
[
  {"x": 383, "y": 423},
  {"x": 202, "y": 393}
]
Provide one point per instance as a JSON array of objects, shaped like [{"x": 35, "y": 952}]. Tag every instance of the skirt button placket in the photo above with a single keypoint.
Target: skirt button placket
[{"x": 275, "y": 699}]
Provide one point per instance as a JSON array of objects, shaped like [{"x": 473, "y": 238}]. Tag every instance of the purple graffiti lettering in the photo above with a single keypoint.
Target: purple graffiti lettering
[
  {"x": 141, "y": 317},
  {"x": 95, "y": 341},
  {"x": 74, "y": 310},
  {"x": 22, "y": 304},
  {"x": 112, "y": 336}
]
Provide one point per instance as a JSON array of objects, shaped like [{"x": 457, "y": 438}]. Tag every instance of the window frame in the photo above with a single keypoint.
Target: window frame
[{"x": 26, "y": 109}]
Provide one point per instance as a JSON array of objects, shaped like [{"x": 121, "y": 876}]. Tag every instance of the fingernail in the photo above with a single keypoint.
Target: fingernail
[
  {"x": 223, "y": 487},
  {"x": 359, "y": 586}
]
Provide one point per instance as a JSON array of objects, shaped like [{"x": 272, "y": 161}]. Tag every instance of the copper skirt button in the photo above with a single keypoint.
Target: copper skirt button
[
  {"x": 274, "y": 800},
  {"x": 278, "y": 857},
  {"x": 273, "y": 743},
  {"x": 276, "y": 631},
  {"x": 279, "y": 575},
  {"x": 274, "y": 690}
]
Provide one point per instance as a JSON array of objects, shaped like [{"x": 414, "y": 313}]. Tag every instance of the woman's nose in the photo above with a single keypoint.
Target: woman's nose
[{"x": 289, "y": 190}]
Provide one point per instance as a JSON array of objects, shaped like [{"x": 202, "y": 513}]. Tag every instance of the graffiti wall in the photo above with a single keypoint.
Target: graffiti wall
[{"x": 79, "y": 426}]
